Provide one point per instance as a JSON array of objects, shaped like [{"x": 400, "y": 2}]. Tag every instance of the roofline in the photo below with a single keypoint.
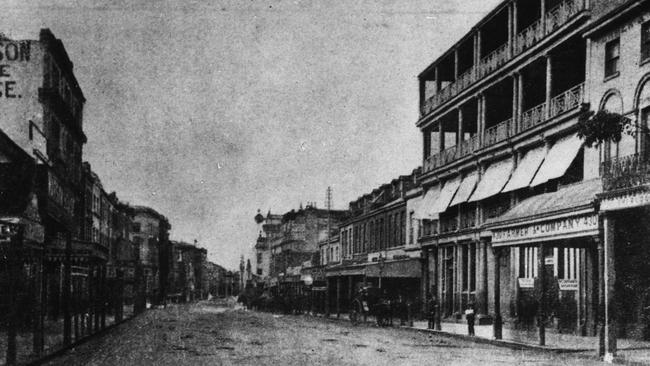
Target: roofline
[
  {"x": 491, "y": 14},
  {"x": 613, "y": 16}
]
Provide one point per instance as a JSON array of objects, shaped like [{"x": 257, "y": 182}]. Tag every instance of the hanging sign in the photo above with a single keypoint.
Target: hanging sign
[
  {"x": 568, "y": 285},
  {"x": 526, "y": 282}
]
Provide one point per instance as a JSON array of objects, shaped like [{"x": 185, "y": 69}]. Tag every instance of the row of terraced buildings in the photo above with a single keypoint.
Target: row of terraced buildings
[
  {"x": 510, "y": 211},
  {"x": 73, "y": 257}
]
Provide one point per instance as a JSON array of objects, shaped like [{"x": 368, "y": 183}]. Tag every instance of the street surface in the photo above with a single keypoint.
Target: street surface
[{"x": 210, "y": 333}]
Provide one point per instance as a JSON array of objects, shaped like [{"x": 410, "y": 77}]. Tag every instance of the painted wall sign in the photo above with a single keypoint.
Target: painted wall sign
[
  {"x": 633, "y": 199},
  {"x": 526, "y": 282},
  {"x": 568, "y": 285},
  {"x": 552, "y": 229}
]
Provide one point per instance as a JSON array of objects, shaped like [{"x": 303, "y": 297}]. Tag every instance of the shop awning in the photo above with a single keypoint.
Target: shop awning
[
  {"x": 465, "y": 189},
  {"x": 558, "y": 159},
  {"x": 425, "y": 209},
  {"x": 446, "y": 194},
  {"x": 526, "y": 169},
  {"x": 494, "y": 179},
  {"x": 406, "y": 268},
  {"x": 570, "y": 197}
]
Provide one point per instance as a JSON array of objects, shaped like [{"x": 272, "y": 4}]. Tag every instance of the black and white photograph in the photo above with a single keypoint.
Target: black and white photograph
[{"x": 312, "y": 182}]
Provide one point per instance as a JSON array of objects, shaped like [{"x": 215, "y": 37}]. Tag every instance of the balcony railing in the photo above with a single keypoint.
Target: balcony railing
[
  {"x": 529, "y": 37},
  {"x": 469, "y": 146},
  {"x": 499, "y": 133},
  {"x": 570, "y": 100},
  {"x": 567, "y": 101},
  {"x": 559, "y": 15},
  {"x": 526, "y": 39},
  {"x": 533, "y": 117},
  {"x": 625, "y": 172},
  {"x": 494, "y": 60}
]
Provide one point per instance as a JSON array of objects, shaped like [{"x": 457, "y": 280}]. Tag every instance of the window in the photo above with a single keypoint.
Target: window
[
  {"x": 612, "y": 55},
  {"x": 645, "y": 41},
  {"x": 136, "y": 227},
  {"x": 527, "y": 262}
]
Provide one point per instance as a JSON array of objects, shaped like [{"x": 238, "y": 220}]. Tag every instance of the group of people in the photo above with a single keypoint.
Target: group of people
[{"x": 433, "y": 315}]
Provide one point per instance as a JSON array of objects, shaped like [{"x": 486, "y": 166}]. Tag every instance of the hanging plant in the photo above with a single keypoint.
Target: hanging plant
[{"x": 602, "y": 126}]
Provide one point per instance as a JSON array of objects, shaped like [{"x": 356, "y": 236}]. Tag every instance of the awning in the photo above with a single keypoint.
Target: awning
[
  {"x": 406, "y": 268},
  {"x": 558, "y": 159},
  {"x": 465, "y": 189},
  {"x": 425, "y": 209},
  {"x": 526, "y": 169},
  {"x": 574, "y": 196},
  {"x": 494, "y": 179},
  {"x": 446, "y": 194}
]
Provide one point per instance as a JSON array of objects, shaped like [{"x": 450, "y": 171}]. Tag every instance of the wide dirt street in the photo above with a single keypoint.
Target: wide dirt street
[{"x": 209, "y": 333}]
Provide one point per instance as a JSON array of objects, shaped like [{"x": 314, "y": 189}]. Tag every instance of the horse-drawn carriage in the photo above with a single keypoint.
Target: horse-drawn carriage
[{"x": 370, "y": 301}]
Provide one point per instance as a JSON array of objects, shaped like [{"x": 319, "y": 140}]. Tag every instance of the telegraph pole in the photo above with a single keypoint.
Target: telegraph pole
[{"x": 328, "y": 205}]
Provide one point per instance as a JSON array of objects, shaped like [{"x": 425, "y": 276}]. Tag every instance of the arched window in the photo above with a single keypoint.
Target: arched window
[
  {"x": 612, "y": 102},
  {"x": 643, "y": 106}
]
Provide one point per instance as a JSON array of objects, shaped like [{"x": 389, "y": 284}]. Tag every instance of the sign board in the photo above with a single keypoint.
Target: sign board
[
  {"x": 628, "y": 200},
  {"x": 526, "y": 282},
  {"x": 549, "y": 260},
  {"x": 553, "y": 229},
  {"x": 568, "y": 285}
]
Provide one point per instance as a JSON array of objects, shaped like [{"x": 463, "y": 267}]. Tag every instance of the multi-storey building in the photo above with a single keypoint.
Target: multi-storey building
[
  {"x": 43, "y": 106},
  {"x": 271, "y": 225},
  {"x": 618, "y": 73},
  {"x": 509, "y": 220},
  {"x": 150, "y": 235},
  {"x": 300, "y": 233},
  {"x": 373, "y": 246}
]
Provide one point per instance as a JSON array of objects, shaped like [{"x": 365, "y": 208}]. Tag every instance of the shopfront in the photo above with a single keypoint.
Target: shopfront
[{"x": 546, "y": 252}]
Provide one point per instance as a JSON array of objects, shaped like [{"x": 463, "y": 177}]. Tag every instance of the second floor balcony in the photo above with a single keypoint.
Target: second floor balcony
[{"x": 567, "y": 101}]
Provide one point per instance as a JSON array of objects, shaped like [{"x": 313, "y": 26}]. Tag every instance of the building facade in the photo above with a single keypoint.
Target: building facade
[
  {"x": 374, "y": 249},
  {"x": 513, "y": 218}
]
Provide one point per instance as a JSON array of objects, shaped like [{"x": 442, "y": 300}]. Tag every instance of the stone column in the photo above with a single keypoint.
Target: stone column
[
  {"x": 436, "y": 285},
  {"x": 498, "y": 320},
  {"x": 515, "y": 104},
  {"x": 607, "y": 306},
  {"x": 541, "y": 278},
  {"x": 549, "y": 84},
  {"x": 102, "y": 295},
  {"x": 67, "y": 314},
  {"x": 338, "y": 296},
  {"x": 425, "y": 284},
  {"x": 38, "y": 309},
  {"x": 460, "y": 126}
]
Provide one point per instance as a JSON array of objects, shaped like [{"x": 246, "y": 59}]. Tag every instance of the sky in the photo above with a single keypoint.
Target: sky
[{"x": 208, "y": 110}]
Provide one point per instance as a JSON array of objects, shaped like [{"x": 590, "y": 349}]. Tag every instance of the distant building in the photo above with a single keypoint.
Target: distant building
[{"x": 150, "y": 234}]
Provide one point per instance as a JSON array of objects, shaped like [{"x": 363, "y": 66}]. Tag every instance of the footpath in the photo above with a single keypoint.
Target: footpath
[{"x": 629, "y": 352}]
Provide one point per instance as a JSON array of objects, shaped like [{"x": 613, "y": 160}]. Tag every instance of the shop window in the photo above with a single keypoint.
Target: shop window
[
  {"x": 612, "y": 57},
  {"x": 528, "y": 262},
  {"x": 567, "y": 263},
  {"x": 645, "y": 41}
]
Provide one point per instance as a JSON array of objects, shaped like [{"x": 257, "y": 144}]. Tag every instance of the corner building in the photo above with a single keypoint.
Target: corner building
[{"x": 509, "y": 219}]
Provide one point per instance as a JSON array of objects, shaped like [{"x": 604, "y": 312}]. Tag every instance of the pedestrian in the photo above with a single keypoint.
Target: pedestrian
[
  {"x": 432, "y": 305},
  {"x": 469, "y": 315}
]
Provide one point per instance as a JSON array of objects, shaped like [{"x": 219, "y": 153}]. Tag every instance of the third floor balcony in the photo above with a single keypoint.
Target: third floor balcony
[{"x": 518, "y": 27}]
